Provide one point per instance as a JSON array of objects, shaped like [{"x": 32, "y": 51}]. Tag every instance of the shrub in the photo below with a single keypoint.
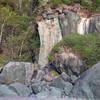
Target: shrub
[
  {"x": 86, "y": 4},
  {"x": 57, "y": 2},
  {"x": 54, "y": 73},
  {"x": 51, "y": 58},
  {"x": 87, "y": 45},
  {"x": 67, "y": 2},
  {"x": 96, "y": 5}
]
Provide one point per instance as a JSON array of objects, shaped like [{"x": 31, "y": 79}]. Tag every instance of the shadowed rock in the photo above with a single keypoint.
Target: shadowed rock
[{"x": 87, "y": 86}]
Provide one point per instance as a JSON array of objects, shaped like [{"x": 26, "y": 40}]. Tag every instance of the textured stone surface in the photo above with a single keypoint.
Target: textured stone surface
[
  {"x": 20, "y": 89},
  {"x": 68, "y": 62},
  {"x": 5, "y": 91},
  {"x": 68, "y": 87},
  {"x": 54, "y": 27},
  {"x": 69, "y": 23},
  {"x": 37, "y": 87},
  {"x": 52, "y": 93},
  {"x": 63, "y": 82},
  {"x": 87, "y": 86},
  {"x": 50, "y": 34},
  {"x": 86, "y": 25},
  {"x": 17, "y": 71}
]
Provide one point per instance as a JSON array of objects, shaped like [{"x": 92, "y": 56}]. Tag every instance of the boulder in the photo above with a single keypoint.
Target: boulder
[
  {"x": 5, "y": 91},
  {"x": 43, "y": 94},
  {"x": 58, "y": 83},
  {"x": 87, "y": 86},
  {"x": 69, "y": 64},
  {"x": 55, "y": 92},
  {"x": 62, "y": 83},
  {"x": 65, "y": 77},
  {"x": 73, "y": 78},
  {"x": 20, "y": 89},
  {"x": 17, "y": 71},
  {"x": 51, "y": 93},
  {"x": 37, "y": 87},
  {"x": 67, "y": 89}
]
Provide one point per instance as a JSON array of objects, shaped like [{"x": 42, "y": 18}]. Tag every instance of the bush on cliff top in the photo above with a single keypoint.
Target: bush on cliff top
[{"x": 88, "y": 46}]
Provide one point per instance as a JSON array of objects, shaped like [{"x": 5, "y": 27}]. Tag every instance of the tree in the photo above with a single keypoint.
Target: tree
[{"x": 5, "y": 14}]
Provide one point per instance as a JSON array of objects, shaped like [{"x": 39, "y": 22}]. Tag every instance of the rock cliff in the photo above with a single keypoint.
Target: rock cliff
[
  {"x": 53, "y": 26},
  {"x": 50, "y": 34}
]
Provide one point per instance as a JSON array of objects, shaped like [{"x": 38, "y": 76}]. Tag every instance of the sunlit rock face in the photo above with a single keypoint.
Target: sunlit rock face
[
  {"x": 50, "y": 34},
  {"x": 86, "y": 25},
  {"x": 52, "y": 28}
]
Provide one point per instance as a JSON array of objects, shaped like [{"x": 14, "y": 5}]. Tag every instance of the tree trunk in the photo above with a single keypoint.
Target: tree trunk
[{"x": 1, "y": 33}]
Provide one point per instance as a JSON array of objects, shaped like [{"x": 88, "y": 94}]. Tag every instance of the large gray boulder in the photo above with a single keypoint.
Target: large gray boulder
[
  {"x": 88, "y": 85},
  {"x": 17, "y": 72},
  {"x": 20, "y": 89},
  {"x": 69, "y": 63},
  {"x": 62, "y": 82},
  {"x": 37, "y": 87},
  {"x": 5, "y": 91},
  {"x": 51, "y": 93}
]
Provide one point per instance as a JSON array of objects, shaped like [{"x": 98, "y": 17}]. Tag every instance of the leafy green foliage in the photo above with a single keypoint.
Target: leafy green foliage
[
  {"x": 60, "y": 2},
  {"x": 67, "y": 2},
  {"x": 87, "y": 45},
  {"x": 86, "y": 4},
  {"x": 19, "y": 36},
  {"x": 96, "y": 5},
  {"x": 54, "y": 73},
  {"x": 51, "y": 58}
]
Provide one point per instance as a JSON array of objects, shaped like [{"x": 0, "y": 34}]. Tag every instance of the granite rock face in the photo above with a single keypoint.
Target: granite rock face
[
  {"x": 87, "y": 86},
  {"x": 50, "y": 34},
  {"x": 5, "y": 91},
  {"x": 20, "y": 89},
  {"x": 54, "y": 27},
  {"x": 68, "y": 62},
  {"x": 69, "y": 22},
  {"x": 17, "y": 72},
  {"x": 14, "y": 89}
]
